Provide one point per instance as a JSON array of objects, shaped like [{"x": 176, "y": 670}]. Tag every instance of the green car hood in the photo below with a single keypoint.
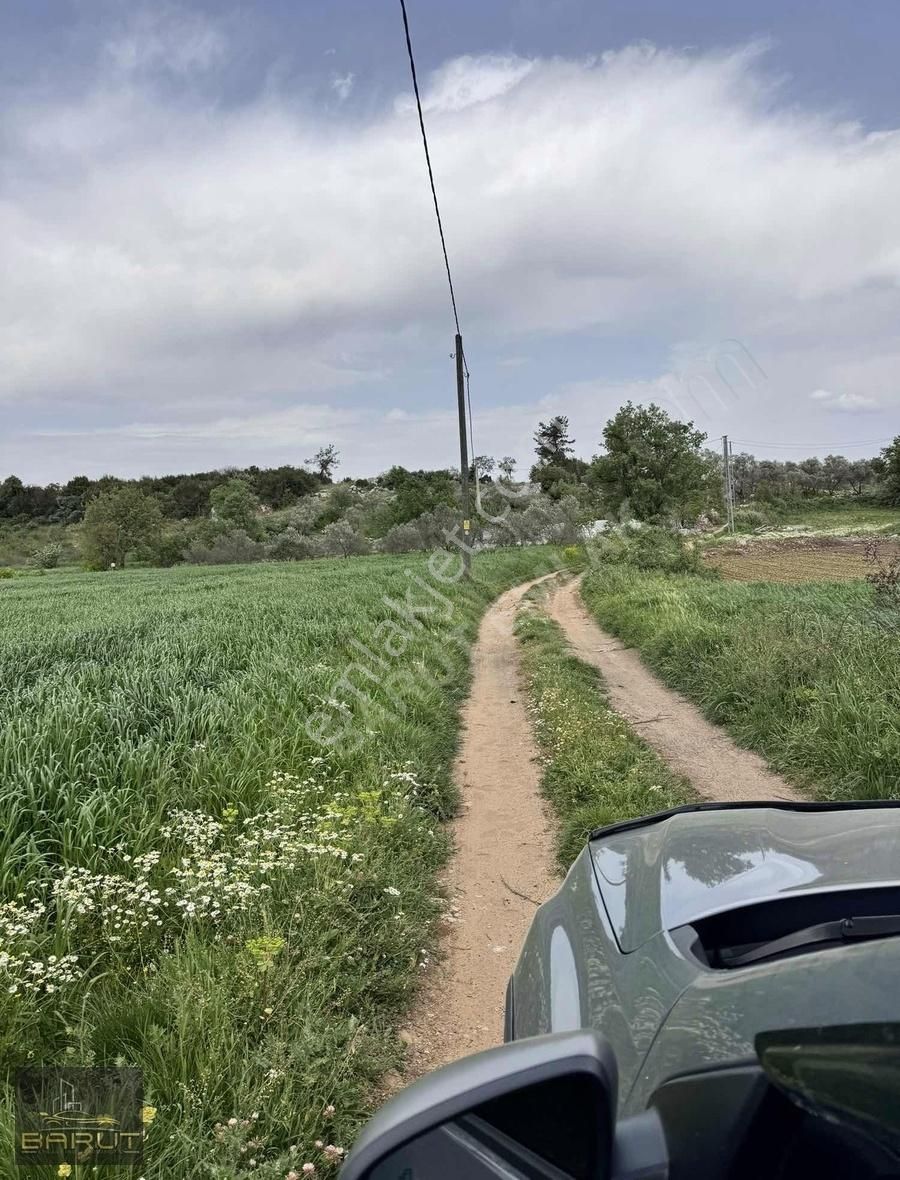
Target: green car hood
[{"x": 675, "y": 869}]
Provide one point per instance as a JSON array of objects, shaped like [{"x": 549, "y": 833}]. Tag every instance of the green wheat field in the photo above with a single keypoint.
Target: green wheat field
[{"x": 194, "y": 885}]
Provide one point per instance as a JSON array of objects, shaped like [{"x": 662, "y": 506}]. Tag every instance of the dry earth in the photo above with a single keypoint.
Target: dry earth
[
  {"x": 503, "y": 867},
  {"x": 799, "y": 559}
]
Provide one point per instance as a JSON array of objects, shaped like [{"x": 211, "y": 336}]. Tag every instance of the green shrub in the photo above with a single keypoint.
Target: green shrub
[
  {"x": 6, "y": 572},
  {"x": 751, "y": 518},
  {"x": 291, "y": 545},
  {"x": 649, "y": 548},
  {"x": 235, "y": 548},
  {"x": 47, "y": 557}
]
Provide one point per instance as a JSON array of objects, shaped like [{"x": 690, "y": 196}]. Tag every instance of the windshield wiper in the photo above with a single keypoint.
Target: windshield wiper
[{"x": 840, "y": 930}]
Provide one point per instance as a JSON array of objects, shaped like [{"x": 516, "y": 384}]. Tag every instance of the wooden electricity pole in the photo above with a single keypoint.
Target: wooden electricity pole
[{"x": 463, "y": 457}]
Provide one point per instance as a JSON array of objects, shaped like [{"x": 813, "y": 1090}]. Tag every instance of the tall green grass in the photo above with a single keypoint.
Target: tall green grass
[
  {"x": 154, "y": 738},
  {"x": 807, "y": 674},
  {"x": 597, "y": 770}
]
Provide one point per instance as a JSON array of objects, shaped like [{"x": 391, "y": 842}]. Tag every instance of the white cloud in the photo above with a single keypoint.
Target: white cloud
[
  {"x": 847, "y": 403},
  {"x": 342, "y": 84},
  {"x": 166, "y": 38},
  {"x": 195, "y": 258},
  {"x": 465, "y": 81}
]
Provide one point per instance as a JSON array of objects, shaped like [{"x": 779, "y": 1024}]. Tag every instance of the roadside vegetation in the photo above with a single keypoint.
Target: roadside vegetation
[
  {"x": 596, "y": 768},
  {"x": 805, "y": 674},
  {"x": 649, "y": 467},
  {"x": 193, "y": 882}
]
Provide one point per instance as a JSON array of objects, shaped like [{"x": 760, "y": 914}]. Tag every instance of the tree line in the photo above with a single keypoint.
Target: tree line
[
  {"x": 179, "y": 497},
  {"x": 650, "y": 467},
  {"x": 659, "y": 468}
]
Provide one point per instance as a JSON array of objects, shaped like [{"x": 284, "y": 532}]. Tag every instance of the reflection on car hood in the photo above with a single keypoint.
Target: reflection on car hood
[{"x": 693, "y": 864}]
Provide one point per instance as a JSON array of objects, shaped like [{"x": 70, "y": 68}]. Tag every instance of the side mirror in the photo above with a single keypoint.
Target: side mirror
[{"x": 539, "y": 1107}]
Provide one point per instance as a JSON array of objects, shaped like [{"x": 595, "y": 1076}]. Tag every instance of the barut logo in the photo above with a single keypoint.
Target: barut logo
[{"x": 79, "y": 1115}]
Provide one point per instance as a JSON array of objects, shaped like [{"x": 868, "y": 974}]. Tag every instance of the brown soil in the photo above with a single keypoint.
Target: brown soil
[
  {"x": 706, "y": 756},
  {"x": 798, "y": 559},
  {"x": 503, "y": 867}
]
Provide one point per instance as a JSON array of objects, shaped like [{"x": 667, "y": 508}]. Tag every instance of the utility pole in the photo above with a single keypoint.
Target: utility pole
[
  {"x": 728, "y": 485},
  {"x": 463, "y": 457}
]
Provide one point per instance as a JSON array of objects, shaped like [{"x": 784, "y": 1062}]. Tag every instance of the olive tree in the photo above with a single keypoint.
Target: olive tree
[{"x": 116, "y": 523}]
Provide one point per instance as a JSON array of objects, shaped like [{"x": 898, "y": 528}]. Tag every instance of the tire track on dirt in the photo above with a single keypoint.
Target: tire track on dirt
[
  {"x": 708, "y": 758},
  {"x": 503, "y": 865}
]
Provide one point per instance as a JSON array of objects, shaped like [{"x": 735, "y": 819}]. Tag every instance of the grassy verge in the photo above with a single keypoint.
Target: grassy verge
[
  {"x": 596, "y": 769},
  {"x": 221, "y": 800},
  {"x": 805, "y": 674}
]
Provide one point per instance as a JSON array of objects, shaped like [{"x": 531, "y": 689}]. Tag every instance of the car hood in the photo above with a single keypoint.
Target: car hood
[{"x": 678, "y": 868}]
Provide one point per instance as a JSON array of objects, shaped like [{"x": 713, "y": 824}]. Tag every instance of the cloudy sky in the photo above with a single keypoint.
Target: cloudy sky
[{"x": 218, "y": 246}]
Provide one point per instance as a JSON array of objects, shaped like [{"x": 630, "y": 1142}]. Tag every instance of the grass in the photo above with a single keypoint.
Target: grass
[
  {"x": 824, "y": 516},
  {"x": 20, "y": 539},
  {"x": 807, "y": 674},
  {"x": 247, "y": 907},
  {"x": 596, "y": 769},
  {"x": 844, "y": 514}
]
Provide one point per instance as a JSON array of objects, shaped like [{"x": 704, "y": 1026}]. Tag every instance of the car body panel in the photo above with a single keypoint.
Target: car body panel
[
  {"x": 600, "y": 951},
  {"x": 625, "y": 997},
  {"x": 696, "y": 864},
  {"x": 717, "y": 1019}
]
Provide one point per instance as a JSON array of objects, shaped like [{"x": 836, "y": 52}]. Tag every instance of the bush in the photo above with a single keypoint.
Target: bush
[
  {"x": 649, "y": 548},
  {"x": 5, "y": 572},
  {"x": 751, "y": 518},
  {"x": 234, "y": 548},
  {"x": 291, "y": 545},
  {"x": 47, "y": 557},
  {"x": 168, "y": 548},
  {"x": 341, "y": 539},
  {"x": 402, "y": 538}
]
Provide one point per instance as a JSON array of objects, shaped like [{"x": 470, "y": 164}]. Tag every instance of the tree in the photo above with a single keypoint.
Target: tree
[
  {"x": 653, "y": 464},
  {"x": 326, "y": 459},
  {"x": 483, "y": 465},
  {"x": 190, "y": 497},
  {"x": 861, "y": 472},
  {"x": 552, "y": 442},
  {"x": 416, "y": 492},
  {"x": 835, "y": 473},
  {"x": 10, "y": 490},
  {"x": 812, "y": 473},
  {"x": 281, "y": 486},
  {"x": 745, "y": 473},
  {"x": 889, "y": 472},
  {"x": 507, "y": 466},
  {"x": 116, "y": 523},
  {"x": 235, "y": 503}
]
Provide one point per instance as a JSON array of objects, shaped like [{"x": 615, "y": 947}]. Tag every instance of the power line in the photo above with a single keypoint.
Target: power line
[
  {"x": 793, "y": 446},
  {"x": 463, "y": 395},
  {"x": 437, "y": 211}
]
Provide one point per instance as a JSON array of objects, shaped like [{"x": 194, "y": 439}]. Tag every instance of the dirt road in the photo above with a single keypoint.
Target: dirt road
[
  {"x": 676, "y": 729},
  {"x": 503, "y": 867}
]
